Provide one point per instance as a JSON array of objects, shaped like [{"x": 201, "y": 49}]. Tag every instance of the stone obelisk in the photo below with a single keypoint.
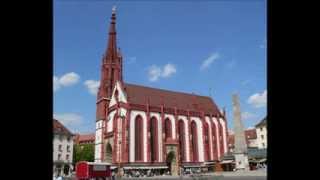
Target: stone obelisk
[{"x": 240, "y": 149}]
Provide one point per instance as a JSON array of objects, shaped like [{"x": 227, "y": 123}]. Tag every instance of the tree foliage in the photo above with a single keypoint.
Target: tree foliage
[{"x": 83, "y": 152}]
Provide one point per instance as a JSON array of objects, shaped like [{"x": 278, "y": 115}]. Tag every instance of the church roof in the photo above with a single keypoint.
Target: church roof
[
  {"x": 140, "y": 94},
  {"x": 59, "y": 128}
]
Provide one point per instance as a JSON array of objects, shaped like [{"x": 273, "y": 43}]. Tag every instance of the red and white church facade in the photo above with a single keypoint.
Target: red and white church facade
[{"x": 144, "y": 126}]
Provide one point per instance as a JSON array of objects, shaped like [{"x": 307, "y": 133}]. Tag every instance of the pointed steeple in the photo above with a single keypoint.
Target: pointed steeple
[
  {"x": 111, "y": 51},
  {"x": 111, "y": 70}
]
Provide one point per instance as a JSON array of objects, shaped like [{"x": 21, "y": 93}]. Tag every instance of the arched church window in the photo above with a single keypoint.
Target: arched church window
[
  {"x": 181, "y": 140},
  {"x": 154, "y": 139},
  {"x": 138, "y": 138},
  {"x": 206, "y": 140},
  {"x": 168, "y": 129},
  {"x": 214, "y": 142},
  {"x": 194, "y": 141}
]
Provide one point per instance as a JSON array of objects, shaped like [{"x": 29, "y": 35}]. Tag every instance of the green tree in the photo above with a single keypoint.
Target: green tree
[{"x": 83, "y": 152}]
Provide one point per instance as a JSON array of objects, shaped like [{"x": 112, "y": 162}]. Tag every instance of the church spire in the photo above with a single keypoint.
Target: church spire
[
  {"x": 111, "y": 70},
  {"x": 111, "y": 51}
]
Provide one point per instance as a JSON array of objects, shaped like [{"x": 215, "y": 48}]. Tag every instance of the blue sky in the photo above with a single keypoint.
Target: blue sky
[{"x": 183, "y": 46}]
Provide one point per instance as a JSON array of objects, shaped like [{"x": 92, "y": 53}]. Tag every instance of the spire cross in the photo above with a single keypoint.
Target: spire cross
[{"x": 113, "y": 9}]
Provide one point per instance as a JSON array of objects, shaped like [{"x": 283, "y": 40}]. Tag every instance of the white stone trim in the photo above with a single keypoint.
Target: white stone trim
[
  {"x": 217, "y": 135},
  {"x": 99, "y": 124},
  {"x": 158, "y": 117},
  {"x": 98, "y": 140},
  {"x": 97, "y": 152},
  {"x": 133, "y": 115},
  {"x": 200, "y": 138},
  {"x": 121, "y": 95},
  {"x": 207, "y": 118},
  {"x": 110, "y": 121},
  {"x": 224, "y": 134},
  {"x": 187, "y": 137}
]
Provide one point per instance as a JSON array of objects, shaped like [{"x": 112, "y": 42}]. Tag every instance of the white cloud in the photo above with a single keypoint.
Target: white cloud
[
  {"x": 207, "y": 62},
  {"x": 250, "y": 128},
  {"x": 92, "y": 86},
  {"x": 258, "y": 100},
  {"x": 155, "y": 72},
  {"x": 168, "y": 70},
  {"x": 68, "y": 79},
  {"x": 247, "y": 115},
  {"x": 71, "y": 120},
  {"x": 75, "y": 122}
]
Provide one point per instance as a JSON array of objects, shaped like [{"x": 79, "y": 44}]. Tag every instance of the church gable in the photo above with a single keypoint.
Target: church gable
[{"x": 118, "y": 93}]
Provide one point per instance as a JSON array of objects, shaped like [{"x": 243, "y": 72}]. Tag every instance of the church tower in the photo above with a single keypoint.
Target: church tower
[{"x": 111, "y": 70}]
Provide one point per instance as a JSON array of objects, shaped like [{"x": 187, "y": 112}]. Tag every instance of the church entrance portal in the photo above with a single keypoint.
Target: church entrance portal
[
  {"x": 171, "y": 162},
  {"x": 171, "y": 158}
]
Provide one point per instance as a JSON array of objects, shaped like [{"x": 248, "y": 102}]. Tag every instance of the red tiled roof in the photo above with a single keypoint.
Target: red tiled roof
[
  {"x": 231, "y": 139},
  {"x": 249, "y": 134},
  {"x": 139, "y": 95},
  {"x": 85, "y": 137},
  {"x": 60, "y": 128}
]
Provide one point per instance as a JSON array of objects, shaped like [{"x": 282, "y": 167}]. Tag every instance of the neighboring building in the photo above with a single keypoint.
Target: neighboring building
[
  {"x": 261, "y": 129},
  {"x": 84, "y": 138},
  {"x": 255, "y": 138},
  {"x": 62, "y": 149},
  {"x": 145, "y": 127},
  {"x": 251, "y": 139}
]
